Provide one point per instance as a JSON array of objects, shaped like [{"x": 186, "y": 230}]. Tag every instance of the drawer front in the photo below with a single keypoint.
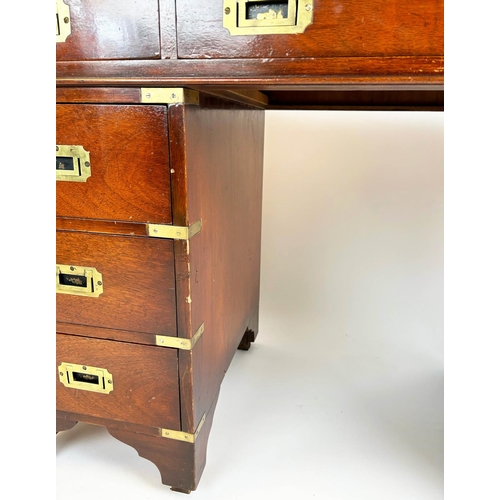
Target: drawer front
[
  {"x": 128, "y": 156},
  {"x": 137, "y": 283},
  {"x": 140, "y": 384},
  {"x": 107, "y": 29},
  {"x": 348, "y": 28}
]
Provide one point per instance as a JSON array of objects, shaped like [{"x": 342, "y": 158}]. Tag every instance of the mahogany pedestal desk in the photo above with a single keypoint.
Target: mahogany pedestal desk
[{"x": 160, "y": 135}]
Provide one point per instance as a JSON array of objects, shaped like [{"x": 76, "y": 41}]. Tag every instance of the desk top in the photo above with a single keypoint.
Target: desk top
[{"x": 351, "y": 54}]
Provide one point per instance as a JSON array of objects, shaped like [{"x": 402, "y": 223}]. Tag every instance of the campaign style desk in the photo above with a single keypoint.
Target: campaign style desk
[{"x": 160, "y": 135}]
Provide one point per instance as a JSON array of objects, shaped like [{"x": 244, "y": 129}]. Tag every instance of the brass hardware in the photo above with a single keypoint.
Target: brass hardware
[
  {"x": 85, "y": 378},
  {"x": 267, "y": 17},
  {"x": 173, "y": 232},
  {"x": 63, "y": 21},
  {"x": 169, "y": 96},
  {"x": 72, "y": 163},
  {"x": 184, "y": 436},
  {"x": 82, "y": 281},
  {"x": 179, "y": 342}
]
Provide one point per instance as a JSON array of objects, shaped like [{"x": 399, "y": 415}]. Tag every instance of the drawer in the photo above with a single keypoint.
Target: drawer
[
  {"x": 118, "y": 381},
  {"x": 347, "y": 28},
  {"x": 126, "y": 147},
  {"x": 107, "y": 29},
  {"x": 117, "y": 282}
]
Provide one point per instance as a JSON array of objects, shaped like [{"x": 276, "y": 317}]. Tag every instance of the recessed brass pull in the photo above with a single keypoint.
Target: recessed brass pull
[
  {"x": 267, "y": 17},
  {"x": 82, "y": 281},
  {"x": 63, "y": 21},
  {"x": 85, "y": 378},
  {"x": 72, "y": 163}
]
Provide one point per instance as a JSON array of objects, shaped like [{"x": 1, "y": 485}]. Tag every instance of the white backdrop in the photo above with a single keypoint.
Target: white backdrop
[{"x": 341, "y": 396}]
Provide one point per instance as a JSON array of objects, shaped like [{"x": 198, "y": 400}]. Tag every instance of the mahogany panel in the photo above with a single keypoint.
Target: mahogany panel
[
  {"x": 111, "y": 29},
  {"x": 106, "y": 422},
  {"x": 100, "y": 226},
  {"x": 340, "y": 73},
  {"x": 180, "y": 463},
  {"x": 301, "y": 98},
  {"x": 106, "y": 333},
  {"x": 138, "y": 282},
  {"x": 128, "y": 147},
  {"x": 98, "y": 95},
  {"x": 145, "y": 381},
  {"x": 218, "y": 178},
  {"x": 347, "y": 28},
  {"x": 168, "y": 29}
]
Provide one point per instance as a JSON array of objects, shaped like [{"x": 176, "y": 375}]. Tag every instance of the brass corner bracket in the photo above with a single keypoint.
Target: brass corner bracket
[
  {"x": 171, "y": 95},
  {"x": 173, "y": 232},
  {"x": 179, "y": 342},
  {"x": 184, "y": 436}
]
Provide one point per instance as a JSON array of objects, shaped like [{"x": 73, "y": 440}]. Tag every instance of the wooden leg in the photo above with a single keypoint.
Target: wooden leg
[
  {"x": 180, "y": 463},
  {"x": 246, "y": 340},
  {"x": 250, "y": 333},
  {"x": 180, "y": 490},
  {"x": 64, "y": 425}
]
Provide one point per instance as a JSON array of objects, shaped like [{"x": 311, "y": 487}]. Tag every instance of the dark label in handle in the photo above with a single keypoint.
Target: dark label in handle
[
  {"x": 65, "y": 163},
  {"x": 85, "y": 377},
  {"x": 73, "y": 280}
]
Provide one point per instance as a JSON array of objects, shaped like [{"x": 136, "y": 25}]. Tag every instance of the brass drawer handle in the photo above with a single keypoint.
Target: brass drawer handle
[
  {"x": 72, "y": 163},
  {"x": 63, "y": 21},
  {"x": 267, "y": 17},
  {"x": 85, "y": 378},
  {"x": 83, "y": 281}
]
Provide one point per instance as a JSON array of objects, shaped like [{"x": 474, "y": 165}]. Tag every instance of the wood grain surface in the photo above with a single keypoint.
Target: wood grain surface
[
  {"x": 333, "y": 73},
  {"x": 218, "y": 160},
  {"x": 145, "y": 381},
  {"x": 128, "y": 148},
  {"x": 339, "y": 29},
  {"x": 138, "y": 282},
  {"x": 111, "y": 29}
]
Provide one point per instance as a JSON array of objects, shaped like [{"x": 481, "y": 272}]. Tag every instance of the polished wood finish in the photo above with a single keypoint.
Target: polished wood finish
[
  {"x": 102, "y": 226},
  {"x": 180, "y": 163},
  {"x": 64, "y": 424},
  {"x": 218, "y": 178},
  {"x": 340, "y": 29},
  {"x": 168, "y": 29},
  {"x": 335, "y": 73},
  {"x": 180, "y": 464},
  {"x": 98, "y": 95},
  {"x": 405, "y": 82},
  {"x": 111, "y": 29},
  {"x": 128, "y": 148},
  {"x": 138, "y": 280},
  {"x": 154, "y": 286},
  {"x": 145, "y": 382},
  {"x": 106, "y": 333},
  {"x": 393, "y": 47}
]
